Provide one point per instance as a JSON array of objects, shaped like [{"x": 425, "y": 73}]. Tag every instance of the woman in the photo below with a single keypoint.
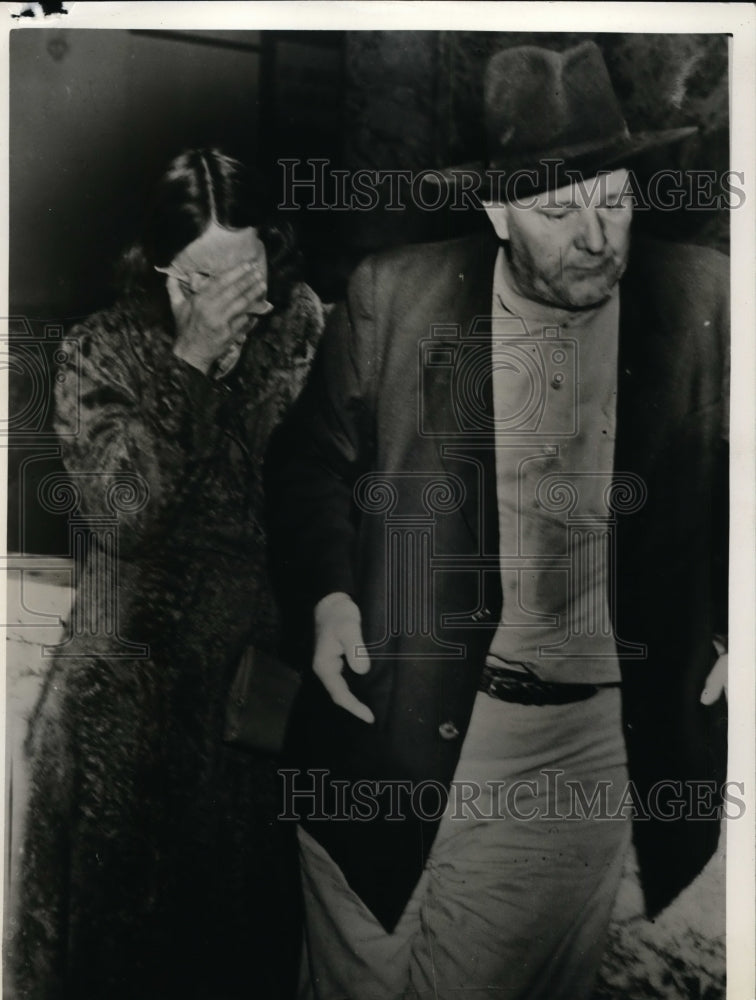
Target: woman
[{"x": 153, "y": 864}]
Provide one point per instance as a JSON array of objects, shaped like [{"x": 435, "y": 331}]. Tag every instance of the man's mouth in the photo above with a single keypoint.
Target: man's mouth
[{"x": 591, "y": 268}]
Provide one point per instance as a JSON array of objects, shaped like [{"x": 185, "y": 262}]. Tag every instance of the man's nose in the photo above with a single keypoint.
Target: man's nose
[{"x": 591, "y": 236}]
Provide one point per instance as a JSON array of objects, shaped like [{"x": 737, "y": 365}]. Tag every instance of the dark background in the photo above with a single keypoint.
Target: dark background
[{"x": 96, "y": 114}]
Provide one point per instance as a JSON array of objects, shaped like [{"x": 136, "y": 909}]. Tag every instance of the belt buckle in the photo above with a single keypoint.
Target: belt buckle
[
  {"x": 492, "y": 687},
  {"x": 519, "y": 691}
]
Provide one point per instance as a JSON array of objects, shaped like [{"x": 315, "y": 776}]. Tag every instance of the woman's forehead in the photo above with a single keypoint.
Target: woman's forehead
[{"x": 218, "y": 249}]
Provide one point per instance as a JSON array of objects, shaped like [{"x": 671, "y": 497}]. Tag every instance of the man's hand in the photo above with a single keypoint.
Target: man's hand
[
  {"x": 716, "y": 682},
  {"x": 338, "y": 633},
  {"x": 215, "y": 313}
]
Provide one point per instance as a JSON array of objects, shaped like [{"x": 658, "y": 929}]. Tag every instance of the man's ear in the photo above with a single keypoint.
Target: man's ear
[{"x": 499, "y": 217}]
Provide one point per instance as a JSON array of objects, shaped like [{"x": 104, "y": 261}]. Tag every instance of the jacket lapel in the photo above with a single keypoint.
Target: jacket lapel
[
  {"x": 458, "y": 400},
  {"x": 643, "y": 379}
]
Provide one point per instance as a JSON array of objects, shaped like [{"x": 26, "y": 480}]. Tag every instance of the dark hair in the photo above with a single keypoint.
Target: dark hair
[{"x": 198, "y": 187}]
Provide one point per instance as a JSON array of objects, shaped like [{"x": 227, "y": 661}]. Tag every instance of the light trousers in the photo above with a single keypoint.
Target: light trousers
[{"x": 515, "y": 899}]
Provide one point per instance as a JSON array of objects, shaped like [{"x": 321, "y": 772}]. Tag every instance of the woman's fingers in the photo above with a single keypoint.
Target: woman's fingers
[
  {"x": 245, "y": 302},
  {"x": 243, "y": 296},
  {"x": 218, "y": 311},
  {"x": 224, "y": 280},
  {"x": 244, "y": 279},
  {"x": 221, "y": 300},
  {"x": 176, "y": 295}
]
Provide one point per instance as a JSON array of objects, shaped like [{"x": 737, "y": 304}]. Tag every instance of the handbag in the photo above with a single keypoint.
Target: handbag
[{"x": 260, "y": 701}]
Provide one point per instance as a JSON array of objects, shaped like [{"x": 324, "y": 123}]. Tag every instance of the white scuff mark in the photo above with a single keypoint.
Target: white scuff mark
[
  {"x": 26, "y": 9},
  {"x": 34, "y": 10},
  {"x": 680, "y": 84}
]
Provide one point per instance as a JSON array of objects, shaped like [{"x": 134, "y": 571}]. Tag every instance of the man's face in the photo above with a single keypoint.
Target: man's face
[{"x": 568, "y": 247}]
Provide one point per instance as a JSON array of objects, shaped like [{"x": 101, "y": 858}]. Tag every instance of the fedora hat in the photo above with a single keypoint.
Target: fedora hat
[{"x": 550, "y": 117}]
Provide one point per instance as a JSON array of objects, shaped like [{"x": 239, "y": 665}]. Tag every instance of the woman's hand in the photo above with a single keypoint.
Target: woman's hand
[{"x": 210, "y": 317}]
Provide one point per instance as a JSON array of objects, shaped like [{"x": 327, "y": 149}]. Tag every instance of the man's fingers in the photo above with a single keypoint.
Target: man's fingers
[
  {"x": 711, "y": 692},
  {"x": 338, "y": 638},
  {"x": 340, "y": 694},
  {"x": 352, "y": 642},
  {"x": 332, "y": 648},
  {"x": 328, "y": 669},
  {"x": 716, "y": 682}
]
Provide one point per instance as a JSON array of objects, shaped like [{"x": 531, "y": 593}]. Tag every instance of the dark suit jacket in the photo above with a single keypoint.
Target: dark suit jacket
[{"x": 392, "y": 433}]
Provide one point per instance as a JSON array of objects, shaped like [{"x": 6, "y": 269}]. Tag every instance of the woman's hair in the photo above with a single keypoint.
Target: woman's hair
[{"x": 201, "y": 186}]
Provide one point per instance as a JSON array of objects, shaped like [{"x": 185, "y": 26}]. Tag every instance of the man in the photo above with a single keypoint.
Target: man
[{"x": 501, "y": 495}]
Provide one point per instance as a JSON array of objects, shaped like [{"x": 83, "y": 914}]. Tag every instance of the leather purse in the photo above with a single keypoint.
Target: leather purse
[{"x": 260, "y": 702}]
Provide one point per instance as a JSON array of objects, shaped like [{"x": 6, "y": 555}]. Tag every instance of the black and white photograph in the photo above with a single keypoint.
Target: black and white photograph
[{"x": 379, "y": 487}]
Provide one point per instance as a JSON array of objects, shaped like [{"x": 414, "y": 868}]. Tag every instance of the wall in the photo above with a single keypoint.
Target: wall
[
  {"x": 414, "y": 101},
  {"x": 93, "y": 117},
  {"x": 95, "y": 114}
]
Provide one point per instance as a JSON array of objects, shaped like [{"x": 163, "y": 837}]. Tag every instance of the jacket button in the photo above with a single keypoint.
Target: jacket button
[
  {"x": 480, "y": 616},
  {"x": 448, "y": 731}
]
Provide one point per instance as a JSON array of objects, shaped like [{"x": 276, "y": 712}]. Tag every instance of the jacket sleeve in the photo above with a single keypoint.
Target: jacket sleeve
[
  {"x": 131, "y": 436},
  {"x": 721, "y": 503},
  {"x": 320, "y": 450}
]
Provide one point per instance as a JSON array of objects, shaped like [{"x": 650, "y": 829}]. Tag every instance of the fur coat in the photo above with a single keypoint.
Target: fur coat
[{"x": 154, "y": 866}]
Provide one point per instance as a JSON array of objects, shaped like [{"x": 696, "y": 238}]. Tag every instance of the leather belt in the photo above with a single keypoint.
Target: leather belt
[{"x": 527, "y": 689}]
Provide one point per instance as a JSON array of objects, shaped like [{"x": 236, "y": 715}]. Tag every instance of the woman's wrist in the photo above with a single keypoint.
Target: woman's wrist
[{"x": 192, "y": 357}]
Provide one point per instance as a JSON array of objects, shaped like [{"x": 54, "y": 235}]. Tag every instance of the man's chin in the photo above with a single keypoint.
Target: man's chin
[
  {"x": 591, "y": 290},
  {"x": 589, "y": 300},
  {"x": 578, "y": 289}
]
